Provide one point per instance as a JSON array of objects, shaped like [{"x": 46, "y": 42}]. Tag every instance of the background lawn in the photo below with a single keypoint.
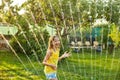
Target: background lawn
[{"x": 80, "y": 66}]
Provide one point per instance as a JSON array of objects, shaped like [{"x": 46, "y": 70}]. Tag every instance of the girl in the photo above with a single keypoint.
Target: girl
[{"x": 52, "y": 57}]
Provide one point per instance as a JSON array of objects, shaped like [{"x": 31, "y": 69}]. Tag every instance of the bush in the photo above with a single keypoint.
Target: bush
[{"x": 31, "y": 45}]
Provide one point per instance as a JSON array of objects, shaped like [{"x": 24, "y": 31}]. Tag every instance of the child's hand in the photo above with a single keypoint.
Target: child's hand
[
  {"x": 66, "y": 54},
  {"x": 54, "y": 67}
]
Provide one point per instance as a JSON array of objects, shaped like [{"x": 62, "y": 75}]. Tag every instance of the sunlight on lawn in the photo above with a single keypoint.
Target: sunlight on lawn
[{"x": 85, "y": 68}]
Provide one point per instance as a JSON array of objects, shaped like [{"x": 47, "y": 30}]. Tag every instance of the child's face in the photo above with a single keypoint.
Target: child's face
[{"x": 56, "y": 42}]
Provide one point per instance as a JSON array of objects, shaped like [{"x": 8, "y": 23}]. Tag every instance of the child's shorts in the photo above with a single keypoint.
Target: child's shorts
[{"x": 51, "y": 75}]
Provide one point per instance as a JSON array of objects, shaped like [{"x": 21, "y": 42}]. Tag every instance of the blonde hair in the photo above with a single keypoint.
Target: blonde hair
[{"x": 51, "y": 39}]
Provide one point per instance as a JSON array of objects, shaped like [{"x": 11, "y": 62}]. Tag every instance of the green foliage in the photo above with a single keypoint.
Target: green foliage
[
  {"x": 105, "y": 33},
  {"x": 115, "y": 34},
  {"x": 60, "y": 12},
  {"x": 44, "y": 9},
  {"x": 65, "y": 46},
  {"x": 16, "y": 46},
  {"x": 32, "y": 42}
]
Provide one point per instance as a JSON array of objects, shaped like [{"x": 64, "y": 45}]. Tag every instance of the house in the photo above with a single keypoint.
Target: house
[{"x": 7, "y": 30}]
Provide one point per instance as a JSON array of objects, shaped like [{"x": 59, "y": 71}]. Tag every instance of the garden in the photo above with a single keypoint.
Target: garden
[{"x": 88, "y": 29}]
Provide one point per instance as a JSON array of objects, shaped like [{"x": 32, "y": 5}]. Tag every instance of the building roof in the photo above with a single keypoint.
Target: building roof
[{"x": 7, "y": 29}]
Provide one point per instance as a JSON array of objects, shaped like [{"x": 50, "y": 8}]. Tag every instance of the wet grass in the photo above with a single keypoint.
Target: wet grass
[{"x": 80, "y": 66}]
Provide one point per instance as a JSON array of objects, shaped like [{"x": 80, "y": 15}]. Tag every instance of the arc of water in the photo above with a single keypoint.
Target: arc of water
[
  {"x": 64, "y": 22},
  {"x": 91, "y": 62},
  {"x": 106, "y": 56},
  {"x": 108, "y": 37},
  {"x": 117, "y": 71},
  {"x": 101, "y": 51},
  {"x": 29, "y": 44},
  {"x": 35, "y": 37},
  {"x": 95, "y": 34},
  {"x": 114, "y": 51},
  {"x": 39, "y": 31},
  {"x": 43, "y": 14},
  {"x": 102, "y": 46},
  {"x": 55, "y": 21},
  {"x": 25, "y": 54},
  {"x": 56, "y": 27},
  {"x": 79, "y": 20},
  {"x": 69, "y": 3},
  {"x": 14, "y": 52},
  {"x": 22, "y": 49},
  {"x": 62, "y": 13}
]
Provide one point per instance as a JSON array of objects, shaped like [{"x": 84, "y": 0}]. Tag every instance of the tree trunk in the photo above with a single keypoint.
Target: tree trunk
[{"x": 111, "y": 48}]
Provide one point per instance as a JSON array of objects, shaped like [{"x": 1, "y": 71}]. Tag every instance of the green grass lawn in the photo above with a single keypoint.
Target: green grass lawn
[{"x": 84, "y": 65}]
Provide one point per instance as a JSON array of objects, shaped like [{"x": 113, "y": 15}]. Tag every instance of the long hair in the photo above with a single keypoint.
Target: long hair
[{"x": 50, "y": 44}]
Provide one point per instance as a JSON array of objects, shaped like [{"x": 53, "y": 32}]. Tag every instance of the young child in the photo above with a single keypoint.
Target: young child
[{"x": 52, "y": 57}]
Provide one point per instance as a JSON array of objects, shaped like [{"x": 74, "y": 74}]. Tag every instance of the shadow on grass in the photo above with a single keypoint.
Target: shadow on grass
[
  {"x": 86, "y": 71},
  {"x": 14, "y": 72}
]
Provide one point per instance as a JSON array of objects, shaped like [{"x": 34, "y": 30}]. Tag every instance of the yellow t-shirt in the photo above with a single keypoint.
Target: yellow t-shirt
[{"x": 52, "y": 60}]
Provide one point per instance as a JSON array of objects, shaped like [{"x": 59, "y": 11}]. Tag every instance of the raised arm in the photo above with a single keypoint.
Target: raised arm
[{"x": 66, "y": 54}]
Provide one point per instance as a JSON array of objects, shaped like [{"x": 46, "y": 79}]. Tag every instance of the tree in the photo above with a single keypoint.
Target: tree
[{"x": 115, "y": 34}]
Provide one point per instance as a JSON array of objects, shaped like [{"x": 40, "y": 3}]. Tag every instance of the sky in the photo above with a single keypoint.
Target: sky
[
  {"x": 0, "y": 2},
  {"x": 19, "y": 3},
  {"x": 16, "y": 2}
]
